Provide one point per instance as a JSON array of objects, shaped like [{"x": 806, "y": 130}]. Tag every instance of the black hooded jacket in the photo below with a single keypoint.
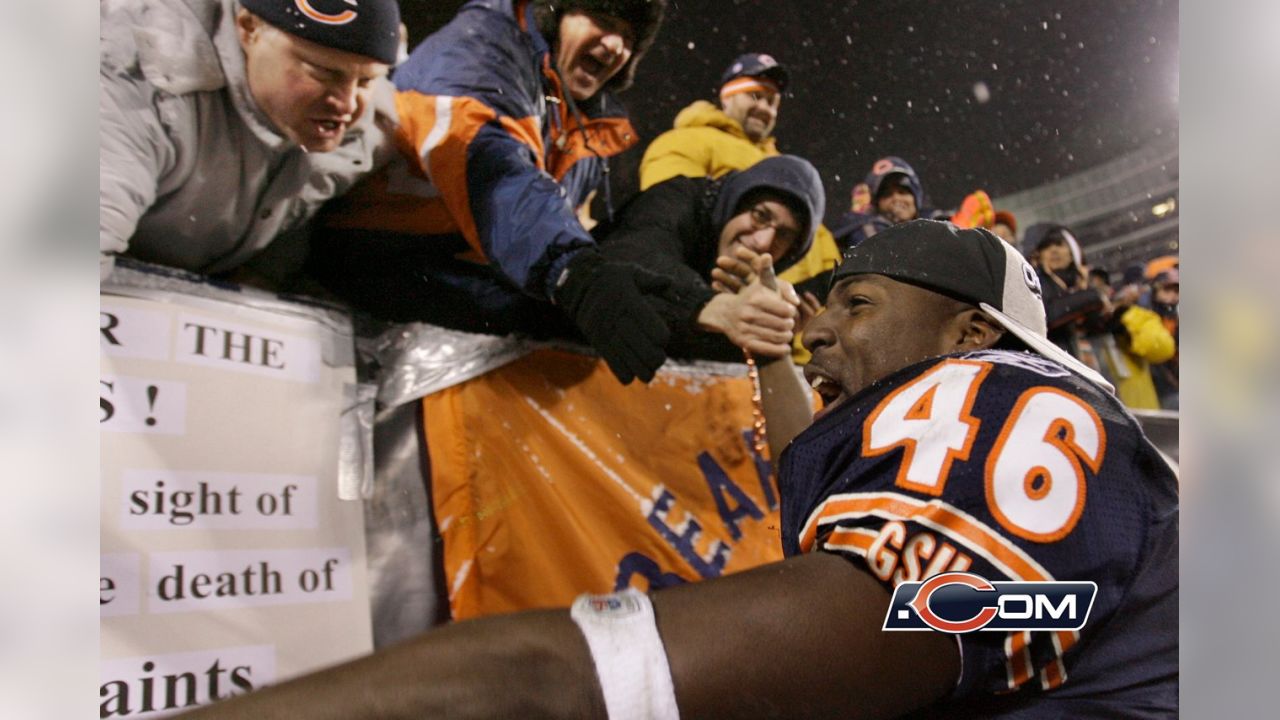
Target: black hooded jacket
[
  {"x": 1064, "y": 304},
  {"x": 673, "y": 229}
]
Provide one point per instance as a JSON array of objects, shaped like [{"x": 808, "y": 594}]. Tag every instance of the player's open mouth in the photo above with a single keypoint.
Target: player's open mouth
[{"x": 829, "y": 390}]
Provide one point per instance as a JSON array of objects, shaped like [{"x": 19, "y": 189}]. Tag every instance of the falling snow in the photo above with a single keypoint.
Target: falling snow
[{"x": 864, "y": 83}]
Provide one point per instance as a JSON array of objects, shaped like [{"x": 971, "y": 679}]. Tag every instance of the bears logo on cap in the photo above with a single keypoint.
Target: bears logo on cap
[{"x": 341, "y": 18}]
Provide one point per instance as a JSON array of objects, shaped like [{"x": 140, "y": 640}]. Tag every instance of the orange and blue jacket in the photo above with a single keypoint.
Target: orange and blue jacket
[{"x": 491, "y": 149}]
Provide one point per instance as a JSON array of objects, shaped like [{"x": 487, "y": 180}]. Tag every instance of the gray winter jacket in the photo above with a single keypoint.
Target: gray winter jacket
[{"x": 192, "y": 174}]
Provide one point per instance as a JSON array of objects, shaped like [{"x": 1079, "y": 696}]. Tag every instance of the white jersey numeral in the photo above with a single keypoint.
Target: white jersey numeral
[
  {"x": 1035, "y": 482},
  {"x": 930, "y": 419},
  {"x": 1034, "y": 475}
]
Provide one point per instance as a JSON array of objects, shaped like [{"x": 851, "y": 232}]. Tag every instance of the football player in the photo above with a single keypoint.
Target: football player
[{"x": 954, "y": 437}]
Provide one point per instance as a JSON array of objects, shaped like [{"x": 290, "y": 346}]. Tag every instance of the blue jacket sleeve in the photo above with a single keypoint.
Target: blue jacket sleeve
[{"x": 526, "y": 225}]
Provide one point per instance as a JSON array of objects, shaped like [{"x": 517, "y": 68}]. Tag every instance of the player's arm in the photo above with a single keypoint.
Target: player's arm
[
  {"x": 531, "y": 664},
  {"x": 786, "y": 401},
  {"x": 799, "y": 638}
]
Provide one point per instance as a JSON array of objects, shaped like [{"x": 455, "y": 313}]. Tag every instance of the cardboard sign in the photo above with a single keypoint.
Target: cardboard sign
[{"x": 228, "y": 561}]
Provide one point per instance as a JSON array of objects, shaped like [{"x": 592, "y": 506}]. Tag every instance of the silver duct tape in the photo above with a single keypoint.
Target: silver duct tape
[
  {"x": 406, "y": 587},
  {"x": 132, "y": 278},
  {"x": 417, "y": 359},
  {"x": 355, "y": 442}
]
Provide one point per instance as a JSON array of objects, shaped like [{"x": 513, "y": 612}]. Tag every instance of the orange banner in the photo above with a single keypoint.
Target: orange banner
[{"x": 550, "y": 479}]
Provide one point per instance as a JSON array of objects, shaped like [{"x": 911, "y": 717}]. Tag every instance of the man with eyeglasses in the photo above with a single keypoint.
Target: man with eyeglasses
[{"x": 686, "y": 227}]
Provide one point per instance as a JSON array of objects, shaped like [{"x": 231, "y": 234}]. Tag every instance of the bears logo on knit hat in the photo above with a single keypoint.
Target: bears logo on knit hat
[
  {"x": 889, "y": 165},
  {"x": 752, "y": 72},
  {"x": 970, "y": 265},
  {"x": 892, "y": 171},
  {"x": 365, "y": 27}
]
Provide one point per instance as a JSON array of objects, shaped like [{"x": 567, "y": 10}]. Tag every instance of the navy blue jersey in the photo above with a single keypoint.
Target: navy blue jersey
[{"x": 1006, "y": 465}]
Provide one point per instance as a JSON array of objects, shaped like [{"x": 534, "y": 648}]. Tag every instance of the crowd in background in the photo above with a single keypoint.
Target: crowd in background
[{"x": 1127, "y": 329}]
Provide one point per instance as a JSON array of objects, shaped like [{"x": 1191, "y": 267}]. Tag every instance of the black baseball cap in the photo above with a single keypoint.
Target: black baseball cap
[{"x": 971, "y": 265}]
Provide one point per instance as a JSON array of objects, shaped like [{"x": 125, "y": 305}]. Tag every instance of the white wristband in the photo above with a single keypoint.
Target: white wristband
[{"x": 630, "y": 660}]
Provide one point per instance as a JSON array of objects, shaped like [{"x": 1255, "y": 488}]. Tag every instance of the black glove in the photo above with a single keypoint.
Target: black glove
[
  {"x": 606, "y": 300},
  {"x": 1116, "y": 325}
]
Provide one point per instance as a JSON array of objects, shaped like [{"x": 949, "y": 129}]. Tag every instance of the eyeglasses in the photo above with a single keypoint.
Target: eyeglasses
[{"x": 762, "y": 217}]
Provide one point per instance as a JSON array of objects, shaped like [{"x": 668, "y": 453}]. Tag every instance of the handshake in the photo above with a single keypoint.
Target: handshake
[
  {"x": 612, "y": 303},
  {"x": 755, "y": 310}
]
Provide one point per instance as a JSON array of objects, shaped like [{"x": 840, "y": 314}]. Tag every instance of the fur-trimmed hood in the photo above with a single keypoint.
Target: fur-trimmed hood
[{"x": 644, "y": 16}]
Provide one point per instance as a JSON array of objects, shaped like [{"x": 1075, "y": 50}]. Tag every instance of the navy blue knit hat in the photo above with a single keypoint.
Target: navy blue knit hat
[
  {"x": 894, "y": 169},
  {"x": 364, "y": 27}
]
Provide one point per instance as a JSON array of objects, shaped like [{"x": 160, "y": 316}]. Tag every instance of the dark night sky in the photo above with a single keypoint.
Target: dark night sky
[{"x": 1071, "y": 84}]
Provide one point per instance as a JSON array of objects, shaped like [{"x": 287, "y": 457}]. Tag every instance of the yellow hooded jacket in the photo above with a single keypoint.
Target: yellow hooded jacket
[
  {"x": 1149, "y": 343},
  {"x": 703, "y": 142}
]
